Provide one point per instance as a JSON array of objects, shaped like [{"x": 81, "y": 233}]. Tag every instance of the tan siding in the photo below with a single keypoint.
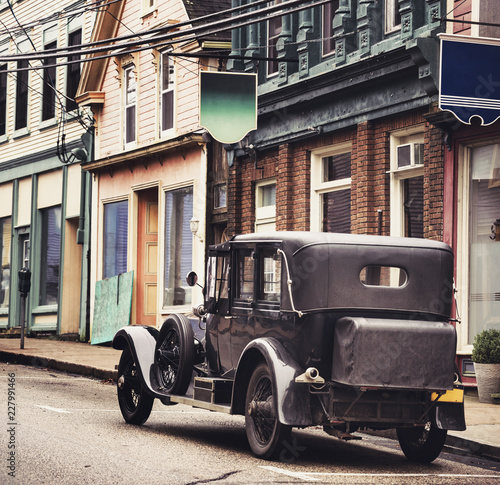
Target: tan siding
[{"x": 40, "y": 137}]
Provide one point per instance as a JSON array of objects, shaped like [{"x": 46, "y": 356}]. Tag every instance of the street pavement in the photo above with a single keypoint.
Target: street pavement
[{"x": 481, "y": 438}]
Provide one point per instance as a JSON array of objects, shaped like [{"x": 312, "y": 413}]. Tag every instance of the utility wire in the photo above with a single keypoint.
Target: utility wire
[
  {"x": 192, "y": 33},
  {"x": 68, "y": 13}
]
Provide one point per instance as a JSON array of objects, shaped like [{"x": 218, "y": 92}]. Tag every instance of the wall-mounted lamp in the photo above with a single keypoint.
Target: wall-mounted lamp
[{"x": 194, "y": 225}]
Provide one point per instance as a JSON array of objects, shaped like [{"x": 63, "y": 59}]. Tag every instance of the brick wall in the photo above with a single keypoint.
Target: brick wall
[{"x": 290, "y": 164}]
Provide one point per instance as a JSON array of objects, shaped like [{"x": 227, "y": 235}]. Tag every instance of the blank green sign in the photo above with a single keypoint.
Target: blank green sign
[{"x": 228, "y": 104}]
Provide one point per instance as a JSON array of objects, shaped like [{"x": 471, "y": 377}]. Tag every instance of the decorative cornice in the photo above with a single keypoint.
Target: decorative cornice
[{"x": 140, "y": 155}]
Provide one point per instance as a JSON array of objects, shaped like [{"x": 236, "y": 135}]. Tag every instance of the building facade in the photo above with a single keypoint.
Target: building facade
[
  {"x": 351, "y": 138},
  {"x": 43, "y": 220},
  {"x": 150, "y": 169}
]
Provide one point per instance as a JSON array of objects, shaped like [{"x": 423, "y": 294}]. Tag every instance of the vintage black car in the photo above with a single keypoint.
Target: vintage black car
[{"x": 301, "y": 329}]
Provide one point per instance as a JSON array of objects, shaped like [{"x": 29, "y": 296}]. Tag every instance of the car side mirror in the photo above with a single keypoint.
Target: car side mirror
[{"x": 192, "y": 278}]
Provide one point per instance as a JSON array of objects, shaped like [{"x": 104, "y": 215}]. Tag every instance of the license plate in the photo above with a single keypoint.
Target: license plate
[{"x": 456, "y": 395}]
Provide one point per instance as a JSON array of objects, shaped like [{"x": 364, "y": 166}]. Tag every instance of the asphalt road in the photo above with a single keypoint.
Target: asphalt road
[{"x": 65, "y": 429}]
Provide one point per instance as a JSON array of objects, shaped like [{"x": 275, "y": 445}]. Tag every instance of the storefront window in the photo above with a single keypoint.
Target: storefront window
[
  {"x": 115, "y": 238},
  {"x": 50, "y": 256},
  {"x": 178, "y": 246},
  {"x": 5, "y": 238},
  {"x": 484, "y": 242}
]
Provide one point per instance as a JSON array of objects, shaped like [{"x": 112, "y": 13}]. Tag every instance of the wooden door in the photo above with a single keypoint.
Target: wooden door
[{"x": 147, "y": 257}]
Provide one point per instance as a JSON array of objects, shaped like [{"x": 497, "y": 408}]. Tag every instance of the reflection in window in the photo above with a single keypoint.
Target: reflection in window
[
  {"x": 271, "y": 275},
  {"x": 115, "y": 238},
  {"x": 178, "y": 245},
  {"x": 5, "y": 238},
  {"x": 218, "y": 277},
  {"x": 245, "y": 274},
  {"x": 50, "y": 256},
  {"x": 222, "y": 277},
  {"x": 387, "y": 276}
]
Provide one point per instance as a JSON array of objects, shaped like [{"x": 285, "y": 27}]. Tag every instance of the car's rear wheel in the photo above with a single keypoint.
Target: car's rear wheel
[
  {"x": 422, "y": 444},
  {"x": 266, "y": 435},
  {"x": 174, "y": 355},
  {"x": 135, "y": 403}
]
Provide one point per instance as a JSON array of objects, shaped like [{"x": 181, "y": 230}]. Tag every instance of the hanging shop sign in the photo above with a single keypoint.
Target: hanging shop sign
[
  {"x": 228, "y": 104},
  {"x": 470, "y": 78}
]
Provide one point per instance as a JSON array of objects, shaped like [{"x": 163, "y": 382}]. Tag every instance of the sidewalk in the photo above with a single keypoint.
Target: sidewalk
[{"x": 481, "y": 438}]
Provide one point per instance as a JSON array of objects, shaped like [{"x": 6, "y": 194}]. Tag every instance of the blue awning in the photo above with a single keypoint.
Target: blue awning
[{"x": 470, "y": 78}]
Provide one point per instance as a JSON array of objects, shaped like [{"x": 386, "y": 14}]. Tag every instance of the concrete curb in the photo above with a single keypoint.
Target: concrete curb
[
  {"x": 70, "y": 367},
  {"x": 454, "y": 443}
]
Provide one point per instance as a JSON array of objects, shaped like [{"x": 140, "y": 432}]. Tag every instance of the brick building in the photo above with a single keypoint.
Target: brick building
[{"x": 350, "y": 136}]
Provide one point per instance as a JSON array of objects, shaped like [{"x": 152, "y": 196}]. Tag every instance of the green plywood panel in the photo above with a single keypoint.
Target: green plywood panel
[
  {"x": 113, "y": 304},
  {"x": 228, "y": 104}
]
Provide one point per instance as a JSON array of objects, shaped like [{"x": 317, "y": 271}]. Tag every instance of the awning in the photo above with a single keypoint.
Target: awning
[{"x": 470, "y": 78}]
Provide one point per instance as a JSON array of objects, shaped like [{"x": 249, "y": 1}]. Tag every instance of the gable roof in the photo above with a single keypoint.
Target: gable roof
[{"x": 106, "y": 27}]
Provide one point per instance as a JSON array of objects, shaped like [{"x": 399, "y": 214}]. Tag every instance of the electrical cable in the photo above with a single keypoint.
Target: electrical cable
[{"x": 193, "y": 33}]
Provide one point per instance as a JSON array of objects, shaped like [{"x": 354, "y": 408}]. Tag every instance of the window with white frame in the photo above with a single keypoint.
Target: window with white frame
[
  {"x": 329, "y": 10},
  {"x": 178, "y": 245},
  {"x": 167, "y": 90},
  {"x": 331, "y": 189},
  {"x": 130, "y": 101},
  {"x": 265, "y": 205},
  {"x": 49, "y": 75},
  {"x": 274, "y": 29},
  {"x": 148, "y": 6},
  {"x": 115, "y": 240},
  {"x": 392, "y": 16},
  {"x": 407, "y": 184}
]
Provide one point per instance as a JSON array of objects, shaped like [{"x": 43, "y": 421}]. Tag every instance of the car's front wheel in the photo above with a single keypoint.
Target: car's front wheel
[
  {"x": 266, "y": 435},
  {"x": 422, "y": 444},
  {"x": 174, "y": 355},
  {"x": 135, "y": 403}
]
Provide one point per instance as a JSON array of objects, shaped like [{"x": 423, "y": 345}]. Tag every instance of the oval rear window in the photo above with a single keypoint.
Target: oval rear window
[{"x": 385, "y": 276}]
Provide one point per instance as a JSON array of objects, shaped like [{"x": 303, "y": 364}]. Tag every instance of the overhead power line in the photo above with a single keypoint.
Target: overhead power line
[{"x": 189, "y": 33}]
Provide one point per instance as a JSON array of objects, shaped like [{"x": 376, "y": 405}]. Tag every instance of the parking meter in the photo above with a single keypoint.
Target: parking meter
[{"x": 24, "y": 281}]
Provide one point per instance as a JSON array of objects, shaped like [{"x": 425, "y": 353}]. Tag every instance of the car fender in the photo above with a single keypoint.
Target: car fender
[
  {"x": 293, "y": 399},
  {"x": 142, "y": 342}
]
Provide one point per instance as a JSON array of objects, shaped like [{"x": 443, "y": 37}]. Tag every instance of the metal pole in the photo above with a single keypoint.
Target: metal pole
[{"x": 23, "y": 313}]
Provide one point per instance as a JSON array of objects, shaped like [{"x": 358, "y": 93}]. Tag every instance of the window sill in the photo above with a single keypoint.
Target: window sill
[
  {"x": 48, "y": 124},
  {"x": 22, "y": 132},
  {"x": 4, "y": 139},
  {"x": 44, "y": 310}
]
